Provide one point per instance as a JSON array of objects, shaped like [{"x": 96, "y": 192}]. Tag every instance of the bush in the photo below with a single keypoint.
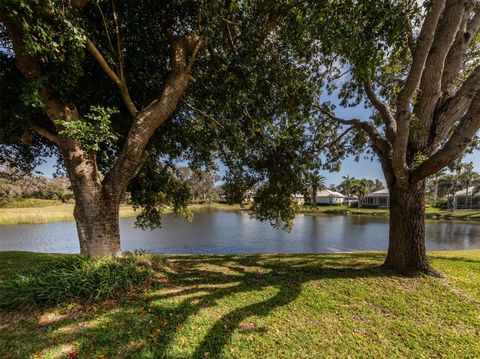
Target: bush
[{"x": 77, "y": 277}]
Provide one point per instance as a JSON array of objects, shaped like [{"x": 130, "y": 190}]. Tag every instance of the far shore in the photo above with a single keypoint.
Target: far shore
[{"x": 46, "y": 211}]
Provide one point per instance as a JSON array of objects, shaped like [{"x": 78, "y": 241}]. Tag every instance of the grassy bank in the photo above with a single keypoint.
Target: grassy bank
[
  {"x": 45, "y": 211},
  {"x": 262, "y": 306},
  {"x": 430, "y": 212},
  {"x": 53, "y": 211},
  {"x": 47, "y": 214},
  {"x": 30, "y": 203}
]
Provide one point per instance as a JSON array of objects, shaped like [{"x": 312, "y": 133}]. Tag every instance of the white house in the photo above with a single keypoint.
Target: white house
[
  {"x": 461, "y": 201},
  {"x": 299, "y": 198},
  {"x": 327, "y": 196},
  {"x": 377, "y": 199}
]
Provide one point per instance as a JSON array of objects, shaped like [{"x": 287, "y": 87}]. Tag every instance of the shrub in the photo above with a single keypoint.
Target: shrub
[{"x": 77, "y": 277}]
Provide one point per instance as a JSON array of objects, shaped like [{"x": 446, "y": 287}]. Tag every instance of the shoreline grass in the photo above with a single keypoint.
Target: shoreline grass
[
  {"x": 261, "y": 306},
  {"x": 431, "y": 213},
  {"x": 41, "y": 215},
  {"x": 64, "y": 213},
  {"x": 45, "y": 211}
]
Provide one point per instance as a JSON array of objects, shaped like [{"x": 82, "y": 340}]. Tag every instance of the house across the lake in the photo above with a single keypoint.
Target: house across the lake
[
  {"x": 467, "y": 199},
  {"x": 377, "y": 199},
  {"x": 327, "y": 196},
  {"x": 299, "y": 198}
]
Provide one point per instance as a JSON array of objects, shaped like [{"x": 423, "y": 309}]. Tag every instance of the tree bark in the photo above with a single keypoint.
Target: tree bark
[
  {"x": 98, "y": 228},
  {"x": 96, "y": 204},
  {"x": 406, "y": 250}
]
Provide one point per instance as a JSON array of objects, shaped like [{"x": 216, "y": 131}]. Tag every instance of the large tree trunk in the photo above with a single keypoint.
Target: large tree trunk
[
  {"x": 406, "y": 250},
  {"x": 98, "y": 227},
  {"x": 96, "y": 203}
]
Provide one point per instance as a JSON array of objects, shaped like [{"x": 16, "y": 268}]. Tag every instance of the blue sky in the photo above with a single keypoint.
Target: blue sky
[{"x": 365, "y": 168}]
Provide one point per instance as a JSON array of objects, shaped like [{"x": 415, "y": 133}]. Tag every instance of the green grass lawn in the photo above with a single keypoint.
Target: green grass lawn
[
  {"x": 468, "y": 214},
  {"x": 262, "y": 306},
  {"x": 333, "y": 209}
]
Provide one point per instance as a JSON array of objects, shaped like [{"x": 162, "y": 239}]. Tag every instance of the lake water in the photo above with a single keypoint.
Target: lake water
[{"x": 236, "y": 232}]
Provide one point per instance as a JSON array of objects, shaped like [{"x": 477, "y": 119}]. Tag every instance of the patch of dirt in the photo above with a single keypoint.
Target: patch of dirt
[{"x": 247, "y": 326}]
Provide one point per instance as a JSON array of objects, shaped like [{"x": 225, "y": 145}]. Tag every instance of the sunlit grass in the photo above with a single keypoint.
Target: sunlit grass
[
  {"x": 36, "y": 214},
  {"x": 58, "y": 213},
  {"x": 28, "y": 202},
  {"x": 320, "y": 210},
  {"x": 263, "y": 306},
  {"x": 64, "y": 212}
]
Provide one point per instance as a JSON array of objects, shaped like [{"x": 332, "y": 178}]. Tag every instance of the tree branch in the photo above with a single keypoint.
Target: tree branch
[
  {"x": 147, "y": 121},
  {"x": 200, "y": 44},
  {"x": 474, "y": 24},
  {"x": 403, "y": 114},
  {"x": 382, "y": 108},
  {"x": 203, "y": 113},
  {"x": 46, "y": 133},
  {"x": 380, "y": 143},
  {"x": 420, "y": 54},
  {"x": 113, "y": 76},
  {"x": 343, "y": 134},
  {"x": 430, "y": 85},
  {"x": 102, "y": 62},
  {"x": 455, "y": 107},
  {"x": 456, "y": 56},
  {"x": 105, "y": 26},
  {"x": 460, "y": 139},
  {"x": 410, "y": 38},
  {"x": 121, "y": 60}
]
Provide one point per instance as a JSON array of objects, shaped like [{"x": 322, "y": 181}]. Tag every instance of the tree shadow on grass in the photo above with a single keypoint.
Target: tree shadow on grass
[{"x": 148, "y": 325}]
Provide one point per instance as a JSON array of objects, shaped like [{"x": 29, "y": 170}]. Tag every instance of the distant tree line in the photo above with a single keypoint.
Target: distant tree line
[
  {"x": 202, "y": 185},
  {"x": 14, "y": 185}
]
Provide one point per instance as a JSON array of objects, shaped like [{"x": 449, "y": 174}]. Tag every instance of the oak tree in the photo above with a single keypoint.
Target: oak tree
[
  {"x": 122, "y": 90},
  {"x": 417, "y": 65}
]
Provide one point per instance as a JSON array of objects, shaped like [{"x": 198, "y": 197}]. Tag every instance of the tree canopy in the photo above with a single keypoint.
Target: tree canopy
[
  {"x": 123, "y": 90},
  {"x": 247, "y": 102}
]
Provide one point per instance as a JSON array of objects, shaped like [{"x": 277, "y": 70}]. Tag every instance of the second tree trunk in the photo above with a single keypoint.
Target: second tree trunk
[{"x": 406, "y": 249}]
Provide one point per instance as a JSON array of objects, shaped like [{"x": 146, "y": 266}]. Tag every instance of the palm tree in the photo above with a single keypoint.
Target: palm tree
[
  {"x": 315, "y": 182},
  {"x": 434, "y": 181},
  {"x": 466, "y": 178},
  {"x": 360, "y": 188},
  {"x": 449, "y": 183},
  {"x": 347, "y": 184}
]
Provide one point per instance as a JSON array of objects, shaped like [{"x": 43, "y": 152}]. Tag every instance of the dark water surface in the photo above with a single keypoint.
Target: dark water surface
[{"x": 235, "y": 232}]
